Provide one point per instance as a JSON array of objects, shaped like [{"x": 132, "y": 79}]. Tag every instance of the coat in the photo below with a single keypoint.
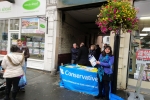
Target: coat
[
  {"x": 74, "y": 53},
  {"x": 82, "y": 58},
  {"x": 12, "y": 63}
]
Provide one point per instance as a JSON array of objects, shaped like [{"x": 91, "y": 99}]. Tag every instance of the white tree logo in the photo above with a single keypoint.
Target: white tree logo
[{"x": 61, "y": 71}]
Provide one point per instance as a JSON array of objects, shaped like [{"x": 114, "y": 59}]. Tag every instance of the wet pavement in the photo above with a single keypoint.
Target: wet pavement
[{"x": 43, "y": 86}]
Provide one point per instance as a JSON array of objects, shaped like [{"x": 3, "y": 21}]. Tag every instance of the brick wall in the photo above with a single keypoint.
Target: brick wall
[{"x": 72, "y": 32}]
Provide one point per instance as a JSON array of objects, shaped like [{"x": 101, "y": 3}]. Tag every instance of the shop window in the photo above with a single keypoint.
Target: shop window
[
  {"x": 35, "y": 42},
  {"x": 3, "y": 36},
  {"x": 140, "y": 53},
  {"x": 14, "y": 24}
]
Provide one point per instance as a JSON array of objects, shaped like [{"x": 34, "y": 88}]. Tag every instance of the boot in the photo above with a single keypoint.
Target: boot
[{"x": 14, "y": 94}]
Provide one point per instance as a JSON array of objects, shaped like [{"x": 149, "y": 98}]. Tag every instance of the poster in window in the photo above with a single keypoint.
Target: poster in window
[
  {"x": 143, "y": 57},
  {"x": 29, "y": 44},
  {"x": 42, "y": 45},
  {"x": 30, "y": 50},
  {"x": 42, "y": 51},
  {"x": 36, "y": 44},
  {"x": 36, "y": 51}
]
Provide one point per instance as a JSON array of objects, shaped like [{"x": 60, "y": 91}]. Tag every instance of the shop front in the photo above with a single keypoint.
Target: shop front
[
  {"x": 140, "y": 47},
  {"x": 25, "y": 20}
]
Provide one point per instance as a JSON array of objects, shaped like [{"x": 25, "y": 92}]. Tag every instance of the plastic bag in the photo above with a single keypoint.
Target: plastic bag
[{"x": 23, "y": 81}]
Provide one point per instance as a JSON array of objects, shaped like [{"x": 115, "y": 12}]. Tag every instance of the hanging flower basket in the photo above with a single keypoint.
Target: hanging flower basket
[{"x": 117, "y": 14}]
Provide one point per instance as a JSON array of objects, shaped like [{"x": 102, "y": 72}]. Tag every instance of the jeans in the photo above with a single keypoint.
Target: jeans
[
  {"x": 12, "y": 81},
  {"x": 24, "y": 69}
]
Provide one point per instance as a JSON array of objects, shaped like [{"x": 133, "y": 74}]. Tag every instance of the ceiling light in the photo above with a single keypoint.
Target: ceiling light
[
  {"x": 143, "y": 34},
  {"x": 146, "y": 29},
  {"x": 144, "y": 17},
  {"x": 141, "y": 37}
]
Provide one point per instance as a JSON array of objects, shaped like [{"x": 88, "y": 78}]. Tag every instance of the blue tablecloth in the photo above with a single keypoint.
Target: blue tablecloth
[{"x": 80, "y": 80}]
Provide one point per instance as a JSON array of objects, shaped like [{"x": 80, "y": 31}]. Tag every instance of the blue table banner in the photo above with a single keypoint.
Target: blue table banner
[
  {"x": 79, "y": 80},
  {"x": 83, "y": 81}
]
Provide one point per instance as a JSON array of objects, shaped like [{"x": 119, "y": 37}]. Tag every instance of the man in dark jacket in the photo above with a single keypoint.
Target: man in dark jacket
[
  {"x": 22, "y": 49},
  {"x": 74, "y": 53},
  {"x": 98, "y": 52},
  {"x": 83, "y": 55}
]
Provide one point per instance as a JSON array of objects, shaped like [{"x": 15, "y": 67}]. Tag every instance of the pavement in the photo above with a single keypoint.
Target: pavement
[{"x": 43, "y": 86}]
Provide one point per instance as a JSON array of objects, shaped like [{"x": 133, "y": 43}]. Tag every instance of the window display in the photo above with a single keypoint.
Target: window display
[
  {"x": 3, "y": 36},
  {"x": 140, "y": 53},
  {"x": 35, "y": 43}
]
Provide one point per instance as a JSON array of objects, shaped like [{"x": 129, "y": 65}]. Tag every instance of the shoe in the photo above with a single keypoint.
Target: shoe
[
  {"x": 14, "y": 94},
  {"x": 98, "y": 97},
  {"x": 22, "y": 89}
]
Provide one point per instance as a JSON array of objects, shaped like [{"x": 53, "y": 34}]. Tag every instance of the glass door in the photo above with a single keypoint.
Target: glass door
[{"x": 12, "y": 39}]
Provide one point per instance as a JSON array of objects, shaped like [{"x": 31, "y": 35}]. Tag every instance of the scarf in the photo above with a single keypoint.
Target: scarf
[{"x": 100, "y": 68}]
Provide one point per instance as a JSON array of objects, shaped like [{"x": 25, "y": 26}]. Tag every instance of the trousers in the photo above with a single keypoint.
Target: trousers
[
  {"x": 12, "y": 81},
  {"x": 103, "y": 86}
]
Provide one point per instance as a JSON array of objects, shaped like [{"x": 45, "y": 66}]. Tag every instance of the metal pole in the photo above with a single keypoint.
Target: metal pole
[
  {"x": 116, "y": 58},
  {"x": 47, "y": 25}
]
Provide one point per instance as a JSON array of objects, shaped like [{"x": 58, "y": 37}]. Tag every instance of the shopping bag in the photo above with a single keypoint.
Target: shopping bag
[{"x": 23, "y": 81}]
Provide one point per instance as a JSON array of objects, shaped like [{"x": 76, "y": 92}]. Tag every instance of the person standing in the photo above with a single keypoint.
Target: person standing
[
  {"x": 82, "y": 58},
  {"x": 92, "y": 51},
  {"x": 105, "y": 72},
  {"x": 22, "y": 49},
  {"x": 74, "y": 53},
  {"x": 98, "y": 52},
  {"x": 12, "y": 64}
]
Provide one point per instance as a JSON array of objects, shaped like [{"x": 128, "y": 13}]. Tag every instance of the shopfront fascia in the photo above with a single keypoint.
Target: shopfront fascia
[
  {"x": 27, "y": 20},
  {"x": 73, "y": 3}
]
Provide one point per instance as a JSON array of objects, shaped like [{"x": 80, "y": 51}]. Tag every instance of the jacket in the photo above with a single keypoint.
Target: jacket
[
  {"x": 74, "y": 53},
  {"x": 92, "y": 53},
  {"x": 107, "y": 64},
  {"x": 26, "y": 52},
  {"x": 98, "y": 52},
  {"x": 12, "y": 63},
  {"x": 82, "y": 58}
]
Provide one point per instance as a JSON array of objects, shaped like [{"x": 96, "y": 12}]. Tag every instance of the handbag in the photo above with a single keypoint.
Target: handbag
[{"x": 23, "y": 81}]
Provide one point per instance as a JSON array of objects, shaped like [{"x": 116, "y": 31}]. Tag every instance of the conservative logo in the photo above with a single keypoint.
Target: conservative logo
[
  {"x": 31, "y": 4},
  {"x": 62, "y": 71},
  {"x": 78, "y": 76}
]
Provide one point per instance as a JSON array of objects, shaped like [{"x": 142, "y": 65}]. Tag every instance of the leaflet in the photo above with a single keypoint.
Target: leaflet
[{"x": 92, "y": 61}]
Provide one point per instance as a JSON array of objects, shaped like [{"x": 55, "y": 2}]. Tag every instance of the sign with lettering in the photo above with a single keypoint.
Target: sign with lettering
[
  {"x": 143, "y": 54},
  {"x": 22, "y": 8}
]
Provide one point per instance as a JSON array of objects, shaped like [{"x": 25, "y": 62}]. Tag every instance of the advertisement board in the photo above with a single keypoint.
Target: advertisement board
[
  {"x": 22, "y": 8},
  {"x": 33, "y": 25},
  {"x": 143, "y": 57}
]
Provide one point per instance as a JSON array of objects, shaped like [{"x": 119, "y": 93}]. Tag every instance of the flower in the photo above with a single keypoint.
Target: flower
[{"x": 115, "y": 14}]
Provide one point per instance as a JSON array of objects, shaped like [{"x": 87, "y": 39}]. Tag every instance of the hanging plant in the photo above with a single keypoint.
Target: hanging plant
[{"x": 117, "y": 14}]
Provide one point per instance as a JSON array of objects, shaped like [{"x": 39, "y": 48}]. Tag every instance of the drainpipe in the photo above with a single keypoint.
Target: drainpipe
[{"x": 116, "y": 60}]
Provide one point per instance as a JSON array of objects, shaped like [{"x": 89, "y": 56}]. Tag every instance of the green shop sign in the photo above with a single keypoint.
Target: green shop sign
[
  {"x": 5, "y": 9},
  {"x": 31, "y": 4},
  {"x": 42, "y": 26}
]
